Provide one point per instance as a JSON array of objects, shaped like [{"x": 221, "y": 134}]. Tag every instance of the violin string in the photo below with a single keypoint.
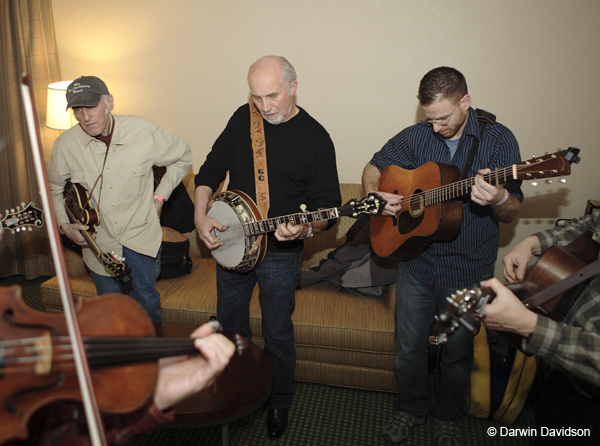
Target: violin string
[{"x": 100, "y": 351}]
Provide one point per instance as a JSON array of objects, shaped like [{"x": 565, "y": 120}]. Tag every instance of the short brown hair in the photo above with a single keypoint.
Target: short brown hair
[{"x": 442, "y": 83}]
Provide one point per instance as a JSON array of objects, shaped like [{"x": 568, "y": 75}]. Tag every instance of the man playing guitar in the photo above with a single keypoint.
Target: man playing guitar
[
  {"x": 445, "y": 137},
  {"x": 571, "y": 396}
]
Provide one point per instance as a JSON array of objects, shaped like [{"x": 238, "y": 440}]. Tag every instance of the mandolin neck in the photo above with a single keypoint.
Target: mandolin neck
[{"x": 87, "y": 236}]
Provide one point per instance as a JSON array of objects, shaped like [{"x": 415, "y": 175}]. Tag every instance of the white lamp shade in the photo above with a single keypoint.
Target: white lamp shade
[{"x": 57, "y": 115}]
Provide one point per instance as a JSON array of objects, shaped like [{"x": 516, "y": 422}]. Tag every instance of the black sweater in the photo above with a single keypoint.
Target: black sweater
[{"x": 300, "y": 164}]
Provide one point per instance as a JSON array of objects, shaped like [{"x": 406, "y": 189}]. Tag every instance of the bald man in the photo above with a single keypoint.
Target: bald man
[{"x": 301, "y": 169}]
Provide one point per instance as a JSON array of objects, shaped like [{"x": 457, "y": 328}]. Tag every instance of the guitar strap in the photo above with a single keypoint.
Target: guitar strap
[
  {"x": 552, "y": 291},
  {"x": 106, "y": 140},
  {"x": 259, "y": 148},
  {"x": 483, "y": 117}
]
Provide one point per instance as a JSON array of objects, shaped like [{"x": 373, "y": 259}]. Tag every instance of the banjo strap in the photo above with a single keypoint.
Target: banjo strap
[{"x": 259, "y": 148}]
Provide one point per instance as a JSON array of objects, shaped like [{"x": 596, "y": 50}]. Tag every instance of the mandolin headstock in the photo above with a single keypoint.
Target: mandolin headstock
[{"x": 24, "y": 217}]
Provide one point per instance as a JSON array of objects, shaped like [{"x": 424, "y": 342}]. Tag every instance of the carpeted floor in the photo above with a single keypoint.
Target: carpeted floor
[{"x": 320, "y": 415}]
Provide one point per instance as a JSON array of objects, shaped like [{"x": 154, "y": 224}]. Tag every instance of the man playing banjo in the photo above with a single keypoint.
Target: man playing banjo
[{"x": 299, "y": 168}]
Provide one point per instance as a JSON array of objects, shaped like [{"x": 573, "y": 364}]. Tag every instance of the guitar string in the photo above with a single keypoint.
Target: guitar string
[{"x": 445, "y": 191}]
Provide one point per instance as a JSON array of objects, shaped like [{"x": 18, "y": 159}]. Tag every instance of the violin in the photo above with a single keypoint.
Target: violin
[{"x": 36, "y": 358}]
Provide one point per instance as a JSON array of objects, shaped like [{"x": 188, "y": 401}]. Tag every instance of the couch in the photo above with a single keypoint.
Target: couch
[{"x": 341, "y": 339}]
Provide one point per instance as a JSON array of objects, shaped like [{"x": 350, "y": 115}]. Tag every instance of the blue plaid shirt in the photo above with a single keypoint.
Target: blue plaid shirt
[{"x": 465, "y": 259}]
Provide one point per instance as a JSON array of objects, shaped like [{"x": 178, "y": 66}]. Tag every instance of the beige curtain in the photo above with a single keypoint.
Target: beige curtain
[{"x": 27, "y": 45}]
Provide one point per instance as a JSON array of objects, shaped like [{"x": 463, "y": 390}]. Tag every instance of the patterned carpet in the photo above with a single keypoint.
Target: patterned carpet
[{"x": 320, "y": 415}]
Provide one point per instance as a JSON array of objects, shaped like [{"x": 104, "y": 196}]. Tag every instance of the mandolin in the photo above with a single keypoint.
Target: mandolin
[
  {"x": 433, "y": 200},
  {"x": 79, "y": 211},
  {"x": 23, "y": 218}
]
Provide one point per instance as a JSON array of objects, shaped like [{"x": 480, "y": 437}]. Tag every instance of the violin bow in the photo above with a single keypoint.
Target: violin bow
[{"x": 94, "y": 419}]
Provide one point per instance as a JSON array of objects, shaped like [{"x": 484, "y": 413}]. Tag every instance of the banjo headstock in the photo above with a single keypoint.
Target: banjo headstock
[{"x": 372, "y": 204}]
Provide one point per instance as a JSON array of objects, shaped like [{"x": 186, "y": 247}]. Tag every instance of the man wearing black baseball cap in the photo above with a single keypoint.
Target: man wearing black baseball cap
[
  {"x": 112, "y": 157},
  {"x": 85, "y": 91}
]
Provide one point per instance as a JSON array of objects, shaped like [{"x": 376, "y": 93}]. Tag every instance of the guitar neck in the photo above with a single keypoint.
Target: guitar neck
[
  {"x": 462, "y": 188},
  {"x": 302, "y": 218}
]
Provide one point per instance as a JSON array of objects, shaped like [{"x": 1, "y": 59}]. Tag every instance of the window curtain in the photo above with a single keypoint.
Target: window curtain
[{"x": 27, "y": 45}]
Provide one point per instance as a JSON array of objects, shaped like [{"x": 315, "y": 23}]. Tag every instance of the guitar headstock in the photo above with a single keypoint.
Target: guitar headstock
[
  {"x": 372, "y": 204},
  {"x": 460, "y": 304},
  {"x": 548, "y": 166},
  {"x": 23, "y": 218}
]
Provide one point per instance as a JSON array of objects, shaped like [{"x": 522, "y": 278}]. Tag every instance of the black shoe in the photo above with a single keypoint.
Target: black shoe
[{"x": 277, "y": 422}]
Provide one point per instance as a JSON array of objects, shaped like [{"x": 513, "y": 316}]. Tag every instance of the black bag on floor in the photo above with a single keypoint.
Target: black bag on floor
[{"x": 175, "y": 258}]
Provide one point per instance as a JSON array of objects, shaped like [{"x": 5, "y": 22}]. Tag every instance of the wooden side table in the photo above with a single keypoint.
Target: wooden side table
[{"x": 240, "y": 390}]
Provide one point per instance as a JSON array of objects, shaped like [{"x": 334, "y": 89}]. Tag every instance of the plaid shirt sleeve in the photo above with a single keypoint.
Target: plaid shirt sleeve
[{"x": 573, "y": 345}]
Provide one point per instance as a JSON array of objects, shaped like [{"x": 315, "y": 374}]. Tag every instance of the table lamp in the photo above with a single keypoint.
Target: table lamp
[{"x": 57, "y": 115}]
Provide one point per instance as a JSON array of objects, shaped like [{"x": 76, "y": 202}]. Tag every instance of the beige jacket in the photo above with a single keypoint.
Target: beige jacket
[{"x": 128, "y": 216}]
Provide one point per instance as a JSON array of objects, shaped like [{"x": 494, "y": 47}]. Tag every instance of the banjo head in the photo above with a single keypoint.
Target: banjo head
[{"x": 233, "y": 211}]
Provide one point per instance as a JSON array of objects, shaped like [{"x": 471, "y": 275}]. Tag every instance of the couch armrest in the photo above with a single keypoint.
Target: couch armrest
[{"x": 75, "y": 264}]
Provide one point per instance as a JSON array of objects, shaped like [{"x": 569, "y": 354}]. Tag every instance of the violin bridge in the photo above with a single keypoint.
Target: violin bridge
[{"x": 43, "y": 348}]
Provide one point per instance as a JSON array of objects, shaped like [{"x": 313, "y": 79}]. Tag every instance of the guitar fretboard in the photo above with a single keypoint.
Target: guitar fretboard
[{"x": 463, "y": 187}]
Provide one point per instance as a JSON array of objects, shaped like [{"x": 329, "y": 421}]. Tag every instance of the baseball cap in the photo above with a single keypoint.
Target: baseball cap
[{"x": 85, "y": 91}]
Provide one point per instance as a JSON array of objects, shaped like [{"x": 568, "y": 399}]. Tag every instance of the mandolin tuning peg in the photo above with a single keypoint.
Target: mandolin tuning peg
[
  {"x": 562, "y": 180},
  {"x": 548, "y": 181},
  {"x": 30, "y": 229},
  {"x": 534, "y": 183},
  {"x": 23, "y": 205}
]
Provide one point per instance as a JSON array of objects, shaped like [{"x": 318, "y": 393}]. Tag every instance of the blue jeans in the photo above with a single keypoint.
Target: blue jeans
[
  {"x": 277, "y": 277},
  {"x": 144, "y": 271},
  {"x": 416, "y": 305}
]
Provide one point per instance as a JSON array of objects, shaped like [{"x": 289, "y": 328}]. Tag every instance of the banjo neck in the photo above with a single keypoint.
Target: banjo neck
[
  {"x": 301, "y": 218},
  {"x": 244, "y": 246}
]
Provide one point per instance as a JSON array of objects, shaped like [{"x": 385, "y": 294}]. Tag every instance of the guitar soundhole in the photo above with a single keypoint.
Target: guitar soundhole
[{"x": 412, "y": 215}]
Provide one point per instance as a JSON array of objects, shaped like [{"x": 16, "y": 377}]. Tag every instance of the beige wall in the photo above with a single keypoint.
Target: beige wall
[{"x": 183, "y": 64}]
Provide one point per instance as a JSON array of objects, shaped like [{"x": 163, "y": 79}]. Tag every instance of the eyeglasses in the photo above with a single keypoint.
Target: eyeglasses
[{"x": 442, "y": 122}]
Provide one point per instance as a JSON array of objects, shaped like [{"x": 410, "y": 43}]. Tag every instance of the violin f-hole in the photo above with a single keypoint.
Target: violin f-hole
[{"x": 11, "y": 404}]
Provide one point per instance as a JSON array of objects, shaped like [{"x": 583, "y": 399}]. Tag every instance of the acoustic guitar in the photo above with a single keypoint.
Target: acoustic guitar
[
  {"x": 557, "y": 264},
  {"x": 77, "y": 205},
  {"x": 433, "y": 200}
]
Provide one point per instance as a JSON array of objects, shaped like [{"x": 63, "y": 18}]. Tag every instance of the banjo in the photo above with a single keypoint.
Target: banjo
[{"x": 245, "y": 245}]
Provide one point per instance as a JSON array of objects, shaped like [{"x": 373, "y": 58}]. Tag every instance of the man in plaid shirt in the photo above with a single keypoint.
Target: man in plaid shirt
[{"x": 571, "y": 397}]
